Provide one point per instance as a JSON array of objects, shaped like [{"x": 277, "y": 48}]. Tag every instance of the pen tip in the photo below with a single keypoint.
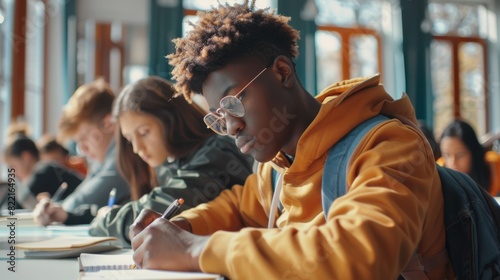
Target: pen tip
[{"x": 181, "y": 201}]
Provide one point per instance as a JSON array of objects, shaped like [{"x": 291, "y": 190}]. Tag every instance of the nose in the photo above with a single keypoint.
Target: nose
[
  {"x": 137, "y": 146},
  {"x": 234, "y": 124},
  {"x": 452, "y": 162},
  {"x": 83, "y": 147}
]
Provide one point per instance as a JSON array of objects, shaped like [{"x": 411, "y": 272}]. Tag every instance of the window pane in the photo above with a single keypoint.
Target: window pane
[
  {"x": 363, "y": 56},
  {"x": 472, "y": 85},
  {"x": 328, "y": 58},
  {"x": 360, "y": 13},
  {"x": 6, "y": 43},
  {"x": 455, "y": 19},
  {"x": 442, "y": 85},
  {"x": 186, "y": 24},
  {"x": 33, "y": 102},
  {"x": 208, "y": 4}
]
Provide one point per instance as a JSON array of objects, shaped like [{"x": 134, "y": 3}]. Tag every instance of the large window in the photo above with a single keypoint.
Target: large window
[
  {"x": 113, "y": 50},
  {"x": 191, "y": 7},
  {"x": 348, "y": 40},
  {"x": 6, "y": 25},
  {"x": 458, "y": 64},
  {"x": 34, "y": 66},
  {"x": 344, "y": 53}
]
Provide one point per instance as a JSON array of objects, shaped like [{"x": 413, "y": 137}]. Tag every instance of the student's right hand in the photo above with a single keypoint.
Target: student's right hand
[
  {"x": 46, "y": 212},
  {"x": 42, "y": 195},
  {"x": 40, "y": 215},
  {"x": 164, "y": 246}
]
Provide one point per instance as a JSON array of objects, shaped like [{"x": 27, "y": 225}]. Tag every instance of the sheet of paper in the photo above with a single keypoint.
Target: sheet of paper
[{"x": 146, "y": 274}]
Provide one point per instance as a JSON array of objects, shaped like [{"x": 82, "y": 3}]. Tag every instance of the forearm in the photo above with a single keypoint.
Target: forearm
[
  {"x": 182, "y": 223},
  {"x": 346, "y": 247},
  {"x": 240, "y": 207},
  {"x": 220, "y": 214},
  {"x": 83, "y": 215},
  {"x": 116, "y": 222}
]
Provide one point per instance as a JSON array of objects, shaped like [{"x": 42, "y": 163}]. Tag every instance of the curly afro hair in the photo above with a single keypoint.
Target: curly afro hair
[{"x": 224, "y": 34}]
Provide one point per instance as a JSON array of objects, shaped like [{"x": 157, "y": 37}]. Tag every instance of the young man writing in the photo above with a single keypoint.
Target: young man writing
[
  {"x": 86, "y": 119},
  {"x": 240, "y": 59}
]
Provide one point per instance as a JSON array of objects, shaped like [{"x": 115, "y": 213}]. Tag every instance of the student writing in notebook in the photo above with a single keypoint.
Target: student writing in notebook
[
  {"x": 36, "y": 176},
  {"x": 165, "y": 151},
  {"x": 241, "y": 59},
  {"x": 86, "y": 119}
]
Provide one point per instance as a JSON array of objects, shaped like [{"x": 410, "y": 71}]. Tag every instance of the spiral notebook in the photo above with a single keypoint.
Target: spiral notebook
[
  {"x": 96, "y": 262},
  {"x": 96, "y": 266}
]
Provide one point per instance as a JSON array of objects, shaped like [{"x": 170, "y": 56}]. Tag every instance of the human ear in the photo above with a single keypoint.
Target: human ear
[
  {"x": 108, "y": 125},
  {"x": 285, "y": 69}
]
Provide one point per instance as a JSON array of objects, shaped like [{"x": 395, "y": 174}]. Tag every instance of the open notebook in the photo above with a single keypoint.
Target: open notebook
[
  {"x": 66, "y": 246},
  {"x": 96, "y": 262},
  {"x": 95, "y": 266}
]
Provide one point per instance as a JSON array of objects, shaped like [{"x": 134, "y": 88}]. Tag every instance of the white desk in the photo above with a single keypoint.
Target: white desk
[
  {"x": 43, "y": 269},
  {"x": 64, "y": 269}
]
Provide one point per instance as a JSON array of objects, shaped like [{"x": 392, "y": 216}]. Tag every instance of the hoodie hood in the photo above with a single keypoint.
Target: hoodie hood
[{"x": 344, "y": 105}]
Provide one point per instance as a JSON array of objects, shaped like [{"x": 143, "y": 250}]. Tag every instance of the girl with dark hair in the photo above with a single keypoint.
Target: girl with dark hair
[
  {"x": 155, "y": 128},
  {"x": 462, "y": 151}
]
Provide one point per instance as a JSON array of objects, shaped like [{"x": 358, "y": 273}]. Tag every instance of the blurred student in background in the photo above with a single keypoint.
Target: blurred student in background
[
  {"x": 462, "y": 151},
  {"x": 165, "y": 151},
  {"x": 52, "y": 150},
  {"x": 163, "y": 141},
  {"x": 430, "y": 137},
  {"x": 86, "y": 119},
  {"x": 34, "y": 175}
]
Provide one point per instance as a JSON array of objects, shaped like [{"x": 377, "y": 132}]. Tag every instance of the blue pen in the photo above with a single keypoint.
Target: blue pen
[{"x": 112, "y": 196}]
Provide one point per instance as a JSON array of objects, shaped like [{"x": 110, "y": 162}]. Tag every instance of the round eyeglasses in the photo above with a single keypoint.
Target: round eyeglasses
[{"x": 231, "y": 105}]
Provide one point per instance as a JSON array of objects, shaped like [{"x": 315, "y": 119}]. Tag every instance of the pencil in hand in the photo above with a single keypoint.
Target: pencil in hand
[
  {"x": 172, "y": 209},
  {"x": 59, "y": 192}
]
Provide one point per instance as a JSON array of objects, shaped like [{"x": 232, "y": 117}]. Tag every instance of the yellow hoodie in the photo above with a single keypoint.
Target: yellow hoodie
[{"x": 394, "y": 202}]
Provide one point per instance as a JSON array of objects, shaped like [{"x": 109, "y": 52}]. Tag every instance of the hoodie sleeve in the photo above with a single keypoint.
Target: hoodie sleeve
[
  {"x": 371, "y": 232},
  {"x": 233, "y": 210}
]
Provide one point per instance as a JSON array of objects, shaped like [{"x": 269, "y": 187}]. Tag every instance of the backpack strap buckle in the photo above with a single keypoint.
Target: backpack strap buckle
[
  {"x": 432, "y": 262},
  {"x": 416, "y": 268}
]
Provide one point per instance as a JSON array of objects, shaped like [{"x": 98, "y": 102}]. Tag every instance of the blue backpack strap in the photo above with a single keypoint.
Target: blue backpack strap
[{"x": 334, "y": 173}]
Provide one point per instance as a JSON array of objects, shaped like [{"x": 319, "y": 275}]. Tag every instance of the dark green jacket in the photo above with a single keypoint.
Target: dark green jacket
[{"x": 197, "y": 178}]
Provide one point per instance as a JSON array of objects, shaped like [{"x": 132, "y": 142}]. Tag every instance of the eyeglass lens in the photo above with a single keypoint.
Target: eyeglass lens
[{"x": 232, "y": 106}]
